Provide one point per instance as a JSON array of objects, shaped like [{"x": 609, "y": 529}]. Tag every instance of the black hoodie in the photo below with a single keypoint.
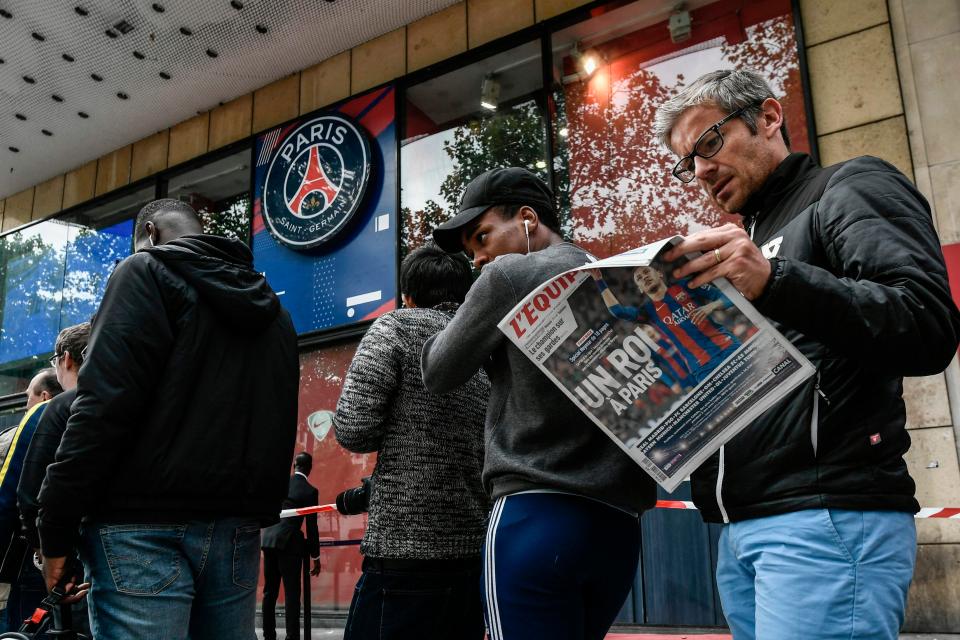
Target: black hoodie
[{"x": 187, "y": 401}]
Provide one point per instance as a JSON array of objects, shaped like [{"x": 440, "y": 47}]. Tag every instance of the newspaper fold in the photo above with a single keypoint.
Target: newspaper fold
[{"x": 669, "y": 373}]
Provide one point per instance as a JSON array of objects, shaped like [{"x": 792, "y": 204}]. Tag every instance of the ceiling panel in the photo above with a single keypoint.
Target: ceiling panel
[{"x": 177, "y": 58}]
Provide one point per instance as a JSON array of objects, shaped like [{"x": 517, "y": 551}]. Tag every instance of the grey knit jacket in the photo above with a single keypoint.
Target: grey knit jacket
[{"x": 428, "y": 501}]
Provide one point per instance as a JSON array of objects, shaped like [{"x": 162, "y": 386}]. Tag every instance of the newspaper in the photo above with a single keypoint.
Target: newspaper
[{"x": 668, "y": 372}]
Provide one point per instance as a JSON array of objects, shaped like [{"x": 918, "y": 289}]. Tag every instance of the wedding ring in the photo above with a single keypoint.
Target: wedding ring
[{"x": 716, "y": 254}]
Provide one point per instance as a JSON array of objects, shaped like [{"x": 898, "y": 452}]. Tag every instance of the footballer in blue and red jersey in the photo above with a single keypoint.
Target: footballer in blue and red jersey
[
  {"x": 682, "y": 315},
  {"x": 667, "y": 359}
]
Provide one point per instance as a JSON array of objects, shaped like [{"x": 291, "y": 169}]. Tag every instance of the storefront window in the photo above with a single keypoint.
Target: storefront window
[
  {"x": 610, "y": 74},
  {"x": 53, "y": 275},
  {"x": 458, "y": 125},
  {"x": 220, "y": 193},
  {"x": 98, "y": 239},
  {"x": 31, "y": 277},
  {"x": 334, "y": 469}
]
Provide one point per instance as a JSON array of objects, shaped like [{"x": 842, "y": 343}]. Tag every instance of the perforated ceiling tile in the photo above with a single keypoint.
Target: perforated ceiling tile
[{"x": 138, "y": 49}]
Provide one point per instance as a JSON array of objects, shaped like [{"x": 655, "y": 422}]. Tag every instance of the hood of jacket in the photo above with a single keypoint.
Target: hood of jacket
[{"x": 221, "y": 270}]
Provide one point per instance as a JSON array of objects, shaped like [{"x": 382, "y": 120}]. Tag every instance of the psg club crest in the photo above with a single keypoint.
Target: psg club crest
[{"x": 316, "y": 181}]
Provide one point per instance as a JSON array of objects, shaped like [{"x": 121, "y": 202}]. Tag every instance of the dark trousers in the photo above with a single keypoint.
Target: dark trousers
[
  {"x": 25, "y": 594},
  {"x": 422, "y": 599},
  {"x": 287, "y": 567}
]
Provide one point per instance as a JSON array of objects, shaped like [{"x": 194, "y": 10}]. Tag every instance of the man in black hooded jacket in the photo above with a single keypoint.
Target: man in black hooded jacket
[
  {"x": 179, "y": 441},
  {"x": 817, "y": 502}
]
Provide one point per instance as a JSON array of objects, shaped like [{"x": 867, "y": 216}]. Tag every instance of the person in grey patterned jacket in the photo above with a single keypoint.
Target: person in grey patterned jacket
[{"x": 428, "y": 510}]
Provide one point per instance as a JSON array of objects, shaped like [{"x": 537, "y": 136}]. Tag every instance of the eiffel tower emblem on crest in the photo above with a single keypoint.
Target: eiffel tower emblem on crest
[{"x": 314, "y": 179}]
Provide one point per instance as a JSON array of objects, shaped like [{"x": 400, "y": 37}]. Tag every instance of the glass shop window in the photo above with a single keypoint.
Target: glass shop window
[
  {"x": 220, "y": 193},
  {"x": 611, "y": 72},
  {"x": 334, "y": 469},
  {"x": 458, "y": 125},
  {"x": 31, "y": 291},
  {"x": 53, "y": 275},
  {"x": 99, "y": 238}
]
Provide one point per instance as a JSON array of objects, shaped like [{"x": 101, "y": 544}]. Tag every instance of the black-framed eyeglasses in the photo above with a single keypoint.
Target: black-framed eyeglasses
[
  {"x": 54, "y": 359},
  {"x": 708, "y": 145}
]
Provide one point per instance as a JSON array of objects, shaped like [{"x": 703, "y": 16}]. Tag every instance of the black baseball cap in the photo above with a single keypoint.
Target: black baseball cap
[{"x": 512, "y": 185}]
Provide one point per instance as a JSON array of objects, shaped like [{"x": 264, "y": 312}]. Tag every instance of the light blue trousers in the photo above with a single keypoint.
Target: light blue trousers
[{"x": 817, "y": 574}]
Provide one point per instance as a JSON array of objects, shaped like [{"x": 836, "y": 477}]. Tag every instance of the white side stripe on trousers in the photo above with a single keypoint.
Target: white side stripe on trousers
[{"x": 493, "y": 611}]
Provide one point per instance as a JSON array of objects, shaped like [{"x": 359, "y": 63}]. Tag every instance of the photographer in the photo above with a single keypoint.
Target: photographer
[{"x": 428, "y": 510}]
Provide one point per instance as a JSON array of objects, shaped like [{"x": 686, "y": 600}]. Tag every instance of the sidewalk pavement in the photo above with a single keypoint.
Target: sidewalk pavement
[{"x": 687, "y": 634}]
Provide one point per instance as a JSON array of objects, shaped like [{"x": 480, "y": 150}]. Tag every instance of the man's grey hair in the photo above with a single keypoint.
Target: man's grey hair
[{"x": 727, "y": 90}]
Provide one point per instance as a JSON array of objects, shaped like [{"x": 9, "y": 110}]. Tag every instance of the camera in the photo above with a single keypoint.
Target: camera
[{"x": 356, "y": 500}]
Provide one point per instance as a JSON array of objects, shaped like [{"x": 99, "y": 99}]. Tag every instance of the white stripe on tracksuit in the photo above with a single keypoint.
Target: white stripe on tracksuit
[{"x": 494, "y": 626}]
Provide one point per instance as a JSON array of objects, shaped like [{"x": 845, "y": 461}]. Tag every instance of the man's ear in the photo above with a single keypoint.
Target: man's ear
[
  {"x": 529, "y": 216},
  {"x": 68, "y": 361},
  {"x": 770, "y": 118}
]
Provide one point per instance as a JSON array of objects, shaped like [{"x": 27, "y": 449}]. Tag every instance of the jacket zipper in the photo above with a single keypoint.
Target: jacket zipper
[
  {"x": 815, "y": 420},
  {"x": 723, "y": 510},
  {"x": 719, "y": 492}
]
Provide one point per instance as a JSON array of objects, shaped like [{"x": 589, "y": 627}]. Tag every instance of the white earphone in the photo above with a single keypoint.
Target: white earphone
[{"x": 526, "y": 230}]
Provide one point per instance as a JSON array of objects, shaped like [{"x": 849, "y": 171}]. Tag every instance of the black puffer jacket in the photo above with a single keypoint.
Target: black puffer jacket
[
  {"x": 860, "y": 287},
  {"x": 187, "y": 401}
]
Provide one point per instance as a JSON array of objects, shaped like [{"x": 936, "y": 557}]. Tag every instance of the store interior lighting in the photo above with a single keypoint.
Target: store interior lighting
[
  {"x": 587, "y": 62},
  {"x": 490, "y": 93}
]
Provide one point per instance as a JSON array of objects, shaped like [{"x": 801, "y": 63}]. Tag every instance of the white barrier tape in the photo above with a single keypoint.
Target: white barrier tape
[{"x": 927, "y": 512}]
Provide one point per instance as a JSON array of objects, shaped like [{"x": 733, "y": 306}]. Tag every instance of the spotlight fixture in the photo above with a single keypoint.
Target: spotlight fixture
[
  {"x": 587, "y": 61},
  {"x": 490, "y": 93},
  {"x": 679, "y": 25}
]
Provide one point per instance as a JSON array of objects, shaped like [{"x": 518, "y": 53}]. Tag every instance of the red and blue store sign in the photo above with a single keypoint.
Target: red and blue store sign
[{"x": 325, "y": 212}]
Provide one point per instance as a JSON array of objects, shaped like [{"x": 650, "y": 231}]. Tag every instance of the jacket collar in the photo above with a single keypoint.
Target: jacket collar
[{"x": 795, "y": 169}]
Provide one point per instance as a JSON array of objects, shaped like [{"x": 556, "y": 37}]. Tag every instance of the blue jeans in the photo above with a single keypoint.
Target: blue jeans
[
  {"x": 818, "y": 573},
  {"x": 171, "y": 581}
]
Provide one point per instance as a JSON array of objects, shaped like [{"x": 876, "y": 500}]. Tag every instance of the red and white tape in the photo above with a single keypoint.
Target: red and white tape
[
  {"x": 927, "y": 512},
  {"x": 305, "y": 511}
]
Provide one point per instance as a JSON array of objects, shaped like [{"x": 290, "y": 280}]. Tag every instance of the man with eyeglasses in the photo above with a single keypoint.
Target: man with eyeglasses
[
  {"x": 68, "y": 354},
  {"x": 44, "y": 397},
  {"x": 817, "y": 503}
]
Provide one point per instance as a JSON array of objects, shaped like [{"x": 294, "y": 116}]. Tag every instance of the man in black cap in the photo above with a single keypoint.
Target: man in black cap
[{"x": 563, "y": 537}]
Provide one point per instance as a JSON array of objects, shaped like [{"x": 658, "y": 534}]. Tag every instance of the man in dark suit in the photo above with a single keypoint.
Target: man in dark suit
[{"x": 284, "y": 548}]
